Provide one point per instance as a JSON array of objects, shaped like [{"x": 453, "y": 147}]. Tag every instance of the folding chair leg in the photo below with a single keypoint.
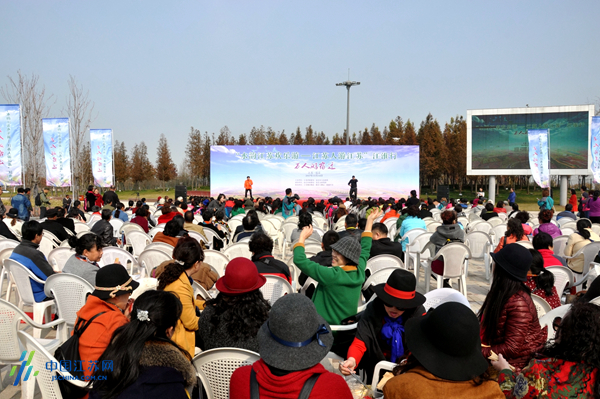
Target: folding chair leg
[
  {"x": 463, "y": 285},
  {"x": 440, "y": 282}
]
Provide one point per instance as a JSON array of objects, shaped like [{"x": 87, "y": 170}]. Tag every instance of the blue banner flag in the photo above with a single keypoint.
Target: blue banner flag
[
  {"x": 11, "y": 167},
  {"x": 595, "y": 143},
  {"x": 57, "y": 151},
  {"x": 102, "y": 157},
  {"x": 538, "y": 156}
]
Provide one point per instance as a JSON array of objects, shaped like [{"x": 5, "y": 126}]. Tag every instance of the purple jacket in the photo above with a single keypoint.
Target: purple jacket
[
  {"x": 594, "y": 206},
  {"x": 549, "y": 228}
]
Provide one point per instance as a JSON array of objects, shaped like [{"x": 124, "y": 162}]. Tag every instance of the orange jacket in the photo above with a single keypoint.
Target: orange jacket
[{"x": 248, "y": 184}]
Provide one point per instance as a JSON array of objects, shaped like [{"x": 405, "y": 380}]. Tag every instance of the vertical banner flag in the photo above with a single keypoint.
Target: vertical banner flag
[
  {"x": 10, "y": 145},
  {"x": 102, "y": 157},
  {"x": 538, "y": 156},
  {"x": 596, "y": 148},
  {"x": 57, "y": 151}
]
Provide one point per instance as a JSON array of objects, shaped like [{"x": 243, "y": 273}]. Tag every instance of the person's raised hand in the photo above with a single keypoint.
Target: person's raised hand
[
  {"x": 501, "y": 363},
  {"x": 305, "y": 233},
  {"x": 375, "y": 213},
  {"x": 348, "y": 366}
]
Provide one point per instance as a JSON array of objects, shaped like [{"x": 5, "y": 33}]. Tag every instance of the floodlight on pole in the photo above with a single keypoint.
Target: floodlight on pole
[{"x": 348, "y": 85}]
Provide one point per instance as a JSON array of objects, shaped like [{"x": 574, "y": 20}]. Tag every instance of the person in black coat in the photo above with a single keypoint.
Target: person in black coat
[
  {"x": 382, "y": 245},
  {"x": 261, "y": 246},
  {"x": 5, "y": 231},
  {"x": 64, "y": 222},
  {"x": 110, "y": 197},
  {"x": 54, "y": 227},
  {"x": 105, "y": 230}
]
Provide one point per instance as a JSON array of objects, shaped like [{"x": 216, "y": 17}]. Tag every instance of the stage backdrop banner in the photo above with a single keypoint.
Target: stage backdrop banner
[
  {"x": 102, "y": 157},
  {"x": 595, "y": 143},
  {"x": 538, "y": 156},
  {"x": 57, "y": 151},
  {"x": 318, "y": 171},
  {"x": 11, "y": 167}
]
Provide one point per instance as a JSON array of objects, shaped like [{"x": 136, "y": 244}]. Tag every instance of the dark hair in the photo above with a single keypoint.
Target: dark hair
[
  {"x": 413, "y": 193},
  {"x": 500, "y": 204},
  {"x": 130, "y": 203},
  {"x": 304, "y": 219},
  {"x": 260, "y": 243},
  {"x": 242, "y": 315},
  {"x": 73, "y": 213},
  {"x": 141, "y": 211},
  {"x": 413, "y": 210},
  {"x": 489, "y": 207},
  {"x": 542, "y": 241},
  {"x": 237, "y": 204},
  {"x": 127, "y": 343},
  {"x": 458, "y": 208},
  {"x": 76, "y": 203},
  {"x": 568, "y": 207},
  {"x": 545, "y": 192},
  {"x": 174, "y": 226},
  {"x": 20, "y": 190},
  {"x": 106, "y": 214},
  {"x": 523, "y": 216},
  {"x": 515, "y": 206},
  {"x": 288, "y": 191},
  {"x": 596, "y": 194},
  {"x": 448, "y": 217},
  {"x": 514, "y": 228},
  {"x": 578, "y": 337},
  {"x": 31, "y": 229},
  {"x": 573, "y": 192},
  {"x": 188, "y": 251},
  {"x": 165, "y": 209},
  {"x": 503, "y": 287},
  {"x": 351, "y": 220},
  {"x": 362, "y": 223},
  {"x": 90, "y": 188},
  {"x": 582, "y": 226},
  {"x": 329, "y": 238},
  {"x": 189, "y": 216},
  {"x": 250, "y": 222},
  {"x": 380, "y": 228},
  {"x": 543, "y": 278},
  {"x": 86, "y": 242},
  {"x": 207, "y": 215},
  {"x": 118, "y": 211},
  {"x": 545, "y": 216},
  {"x": 219, "y": 215}
]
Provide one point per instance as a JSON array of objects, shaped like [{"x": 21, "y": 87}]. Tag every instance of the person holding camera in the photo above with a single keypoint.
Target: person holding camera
[{"x": 289, "y": 203}]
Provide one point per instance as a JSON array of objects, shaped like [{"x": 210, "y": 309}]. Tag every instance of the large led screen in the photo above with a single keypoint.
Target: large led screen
[{"x": 315, "y": 171}]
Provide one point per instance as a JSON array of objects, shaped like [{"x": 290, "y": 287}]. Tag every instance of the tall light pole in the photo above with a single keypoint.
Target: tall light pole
[{"x": 348, "y": 85}]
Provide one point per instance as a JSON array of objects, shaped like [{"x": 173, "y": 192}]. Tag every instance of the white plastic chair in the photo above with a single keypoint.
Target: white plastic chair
[
  {"x": 238, "y": 250},
  {"x": 525, "y": 243},
  {"x": 153, "y": 231},
  {"x": 541, "y": 305},
  {"x": 22, "y": 278},
  {"x": 379, "y": 277},
  {"x": 567, "y": 222},
  {"x": 198, "y": 237},
  {"x": 484, "y": 226},
  {"x": 497, "y": 233},
  {"x": 117, "y": 224},
  {"x": 548, "y": 318},
  {"x": 418, "y": 252},
  {"x": 126, "y": 227},
  {"x": 138, "y": 240},
  {"x": 432, "y": 227},
  {"x": 216, "y": 259},
  {"x": 59, "y": 256},
  {"x": 5, "y": 253},
  {"x": 307, "y": 284},
  {"x": 215, "y": 367},
  {"x": 80, "y": 227},
  {"x": 563, "y": 277},
  {"x": 480, "y": 245},
  {"x": 70, "y": 293},
  {"x": 110, "y": 254},
  {"x": 456, "y": 260},
  {"x": 383, "y": 261},
  {"x": 47, "y": 244},
  {"x": 559, "y": 244},
  {"x": 275, "y": 288},
  {"x": 495, "y": 221},
  {"x": 211, "y": 235},
  {"x": 161, "y": 246},
  {"x": 439, "y": 296},
  {"x": 389, "y": 223},
  {"x": 151, "y": 258},
  {"x": 589, "y": 253},
  {"x": 199, "y": 290},
  {"x": 382, "y": 365},
  {"x": 93, "y": 219}
]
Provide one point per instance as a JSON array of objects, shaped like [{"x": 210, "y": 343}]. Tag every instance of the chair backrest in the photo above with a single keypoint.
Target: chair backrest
[
  {"x": 153, "y": 231},
  {"x": 110, "y": 254},
  {"x": 211, "y": 235},
  {"x": 216, "y": 259},
  {"x": 412, "y": 234},
  {"x": 379, "y": 277},
  {"x": 312, "y": 247},
  {"x": 455, "y": 257},
  {"x": 47, "y": 376},
  {"x": 47, "y": 244},
  {"x": 319, "y": 222},
  {"x": 287, "y": 228},
  {"x": 238, "y": 250},
  {"x": 151, "y": 258},
  {"x": 526, "y": 244},
  {"x": 435, "y": 298},
  {"x": 198, "y": 237},
  {"x": 479, "y": 243},
  {"x": 138, "y": 241},
  {"x": 215, "y": 367},
  {"x": 10, "y": 316},
  {"x": 559, "y": 244},
  {"x": 59, "y": 256},
  {"x": 383, "y": 261},
  {"x": 307, "y": 284},
  {"x": 199, "y": 290},
  {"x": 567, "y": 231},
  {"x": 463, "y": 220},
  {"x": 292, "y": 219},
  {"x": 234, "y": 224},
  {"x": 548, "y": 318},
  {"x": 93, "y": 219},
  {"x": 567, "y": 222},
  {"x": 22, "y": 278},
  {"x": 595, "y": 227},
  {"x": 562, "y": 277},
  {"x": 382, "y": 365},
  {"x": 589, "y": 254},
  {"x": 8, "y": 244},
  {"x": 116, "y": 223},
  {"x": 432, "y": 227},
  {"x": 80, "y": 227},
  {"x": 498, "y": 232},
  {"x": 275, "y": 288},
  {"x": 126, "y": 227},
  {"x": 269, "y": 228},
  {"x": 276, "y": 220},
  {"x": 70, "y": 292},
  {"x": 390, "y": 222},
  {"x": 495, "y": 221},
  {"x": 541, "y": 305},
  {"x": 416, "y": 244},
  {"x": 484, "y": 226},
  {"x": 161, "y": 246}
]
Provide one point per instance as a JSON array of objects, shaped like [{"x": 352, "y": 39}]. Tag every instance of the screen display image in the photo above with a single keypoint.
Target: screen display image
[{"x": 320, "y": 172}]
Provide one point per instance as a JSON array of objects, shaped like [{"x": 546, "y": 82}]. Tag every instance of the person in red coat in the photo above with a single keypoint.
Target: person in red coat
[
  {"x": 508, "y": 317},
  {"x": 292, "y": 343}
]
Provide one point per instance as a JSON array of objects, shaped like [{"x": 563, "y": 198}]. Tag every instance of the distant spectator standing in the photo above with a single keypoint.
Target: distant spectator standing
[
  {"x": 546, "y": 202},
  {"x": 110, "y": 197},
  {"x": 594, "y": 207},
  {"x": 21, "y": 204},
  {"x": 288, "y": 204},
  {"x": 573, "y": 200},
  {"x": 90, "y": 198},
  {"x": 67, "y": 202},
  {"x": 44, "y": 202},
  {"x": 248, "y": 187},
  {"x": 512, "y": 197}
]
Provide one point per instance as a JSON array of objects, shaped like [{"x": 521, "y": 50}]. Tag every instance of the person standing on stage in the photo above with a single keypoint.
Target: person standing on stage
[
  {"x": 352, "y": 184},
  {"x": 248, "y": 186}
]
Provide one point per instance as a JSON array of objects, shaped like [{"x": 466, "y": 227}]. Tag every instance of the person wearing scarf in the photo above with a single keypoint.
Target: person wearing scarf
[{"x": 380, "y": 331}]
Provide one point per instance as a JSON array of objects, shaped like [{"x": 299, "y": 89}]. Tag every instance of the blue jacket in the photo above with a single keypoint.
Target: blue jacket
[
  {"x": 122, "y": 215},
  {"x": 411, "y": 222},
  {"x": 512, "y": 197},
  {"x": 22, "y": 204},
  {"x": 27, "y": 254},
  {"x": 547, "y": 201}
]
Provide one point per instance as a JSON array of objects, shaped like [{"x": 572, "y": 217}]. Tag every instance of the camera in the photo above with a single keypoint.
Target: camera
[{"x": 296, "y": 197}]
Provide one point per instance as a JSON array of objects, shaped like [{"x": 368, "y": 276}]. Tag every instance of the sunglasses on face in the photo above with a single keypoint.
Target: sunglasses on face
[{"x": 387, "y": 305}]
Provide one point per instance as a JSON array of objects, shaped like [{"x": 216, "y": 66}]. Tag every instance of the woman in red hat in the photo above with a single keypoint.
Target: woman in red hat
[
  {"x": 380, "y": 332},
  {"x": 233, "y": 318}
]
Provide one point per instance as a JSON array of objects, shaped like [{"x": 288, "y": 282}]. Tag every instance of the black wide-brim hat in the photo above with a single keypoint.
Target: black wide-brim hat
[
  {"x": 295, "y": 337},
  {"x": 446, "y": 342},
  {"x": 400, "y": 290},
  {"x": 113, "y": 280},
  {"x": 515, "y": 259}
]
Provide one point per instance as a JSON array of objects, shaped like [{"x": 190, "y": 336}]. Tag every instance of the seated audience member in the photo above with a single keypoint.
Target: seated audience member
[
  {"x": 27, "y": 254},
  {"x": 54, "y": 227},
  {"x": 219, "y": 216},
  {"x": 248, "y": 205},
  {"x": 323, "y": 258},
  {"x": 292, "y": 344},
  {"x": 147, "y": 362},
  {"x": 592, "y": 293},
  {"x": 448, "y": 232},
  {"x": 109, "y": 304},
  {"x": 582, "y": 237},
  {"x": 336, "y": 296},
  {"x": 508, "y": 317},
  {"x": 167, "y": 215},
  {"x": 238, "y": 208},
  {"x": 173, "y": 230},
  {"x": 105, "y": 230},
  {"x": 380, "y": 333},
  {"x": 150, "y": 216},
  {"x": 261, "y": 246},
  {"x": 67, "y": 223},
  {"x": 445, "y": 365},
  {"x": 351, "y": 229},
  {"x": 5, "y": 231},
  {"x": 541, "y": 281},
  {"x": 77, "y": 207},
  {"x": 305, "y": 219},
  {"x": 425, "y": 213},
  {"x": 176, "y": 277},
  {"x": 255, "y": 220},
  {"x": 514, "y": 233},
  {"x": 392, "y": 213},
  {"x": 74, "y": 215},
  {"x": 84, "y": 262},
  {"x": 523, "y": 217},
  {"x": 567, "y": 366},
  {"x": 362, "y": 223},
  {"x": 412, "y": 221},
  {"x": 567, "y": 213},
  {"x": 233, "y": 318},
  {"x": 546, "y": 225},
  {"x": 208, "y": 224},
  {"x": 515, "y": 209},
  {"x": 382, "y": 245},
  {"x": 500, "y": 207},
  {"x": 119, "y": 212},
  {"x": 189, "y": 224},
  {"x": 543, "y": 243},
  {"x": 249, "y": 223},
  {"x": 459, "y": 211},
  {"x": 489, "y": 212},
  {"x": 141, "y": 219}
]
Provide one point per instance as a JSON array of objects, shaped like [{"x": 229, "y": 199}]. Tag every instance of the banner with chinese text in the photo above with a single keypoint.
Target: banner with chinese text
[
  {"x": 57, "y": 151},
  {"x": 595, "y": 142},
  {"x": 102, "y": 157},
  {"x": 11, "y": 167},
  {"x": 538, "y": 156}
]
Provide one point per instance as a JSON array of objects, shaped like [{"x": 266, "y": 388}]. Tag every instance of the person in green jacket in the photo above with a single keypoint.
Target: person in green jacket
[{"x": 336, "y": 297}]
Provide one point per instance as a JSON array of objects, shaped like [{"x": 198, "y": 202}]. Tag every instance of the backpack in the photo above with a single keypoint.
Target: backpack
[
  {"x": 38, "y": 200},
  {"x": 69, "y": 353}
]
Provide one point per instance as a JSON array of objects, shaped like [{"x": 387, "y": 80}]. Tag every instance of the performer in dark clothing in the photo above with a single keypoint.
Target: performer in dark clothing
[{"x": 353, "y": 189}]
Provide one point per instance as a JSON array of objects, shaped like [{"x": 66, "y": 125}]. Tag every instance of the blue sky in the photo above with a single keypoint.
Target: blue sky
[{"x": 157, "y": 67}]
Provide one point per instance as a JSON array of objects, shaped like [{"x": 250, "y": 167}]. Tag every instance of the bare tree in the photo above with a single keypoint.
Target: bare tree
[
  {"x": 27, "y": 91},
  {"x": 80, "y": 110}
]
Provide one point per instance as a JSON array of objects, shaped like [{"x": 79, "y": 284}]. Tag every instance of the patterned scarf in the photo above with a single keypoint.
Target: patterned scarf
[{"x": 392, "y": 331}]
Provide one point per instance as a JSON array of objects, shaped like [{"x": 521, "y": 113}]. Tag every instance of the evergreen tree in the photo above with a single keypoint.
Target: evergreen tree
[
  {"x": 272, "y": 137},
  {"x": 310, "y": 138},
  {"x": 455, "y": 138},
  {"x": 375, "y": 134},
  {"x": 165, "y": 167},
  {"x": 242, "y": 140},
  {"x": 193, "y": 152},
  {"x": 432, "y": 151},
  {"x": 337, "y": 140},
  {"x": 283, "y": 140},
  {"x": 121, "y": 162},
  {"x": 396, "y": 132},
  {"x": 258, "y": 136},
  {"x": 410, "y": 137},
  {"x": 206, "y": 157},
  {"x": 298, "y": 137},
  {"x": 225, "y": 137},
  {"x": 141, "y": 168},
  {"x": 365, "y": 138}
]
